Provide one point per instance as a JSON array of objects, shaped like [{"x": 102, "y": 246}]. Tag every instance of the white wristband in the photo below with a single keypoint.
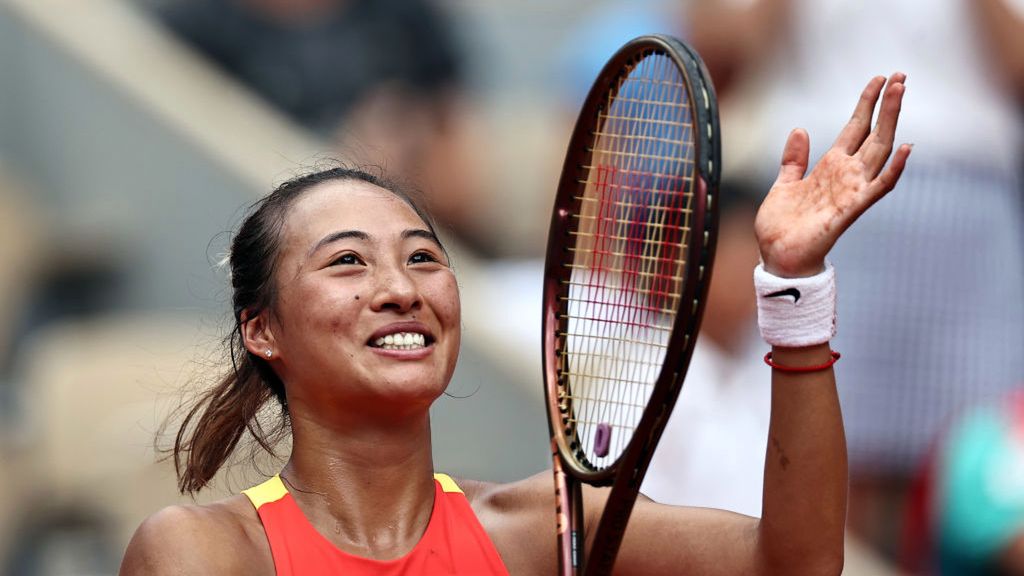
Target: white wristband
[{"x": 796, "y": 312}]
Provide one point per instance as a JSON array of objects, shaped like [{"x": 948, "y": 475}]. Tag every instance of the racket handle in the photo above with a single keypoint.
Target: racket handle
[{"x": 569, "y": 527}]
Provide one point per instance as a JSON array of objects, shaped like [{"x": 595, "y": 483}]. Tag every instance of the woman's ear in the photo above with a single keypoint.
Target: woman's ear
[{"x": 257, "y": 333}]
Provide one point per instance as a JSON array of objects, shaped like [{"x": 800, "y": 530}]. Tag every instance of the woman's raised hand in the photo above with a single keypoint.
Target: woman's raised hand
[{"x": 804, "y": 214}]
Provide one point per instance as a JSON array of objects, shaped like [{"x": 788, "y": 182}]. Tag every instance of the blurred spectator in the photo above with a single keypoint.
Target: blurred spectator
[
  {"x": 597, "y": 34},
  {"x": 59, "y": 542},
  {"x": 712, "y": 451},
  {"x": 969, "y": 513},
  {"x": 318, "y": 59},
  {"x": 939, "y": 321},
  {"x": 381, "y": 79},
  {"x": 22, "y": 249}
]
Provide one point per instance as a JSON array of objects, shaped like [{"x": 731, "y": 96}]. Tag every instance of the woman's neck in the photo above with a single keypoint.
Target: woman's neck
[{"x": 369, "y": 490}]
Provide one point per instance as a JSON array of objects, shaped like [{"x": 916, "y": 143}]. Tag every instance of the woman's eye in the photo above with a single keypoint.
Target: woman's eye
[
  {"x": 422, "y": 257},
  {"x": 346, "y": 259}
]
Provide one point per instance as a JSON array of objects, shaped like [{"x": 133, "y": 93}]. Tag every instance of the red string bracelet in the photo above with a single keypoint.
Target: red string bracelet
[{"x": 768, "y": 360}]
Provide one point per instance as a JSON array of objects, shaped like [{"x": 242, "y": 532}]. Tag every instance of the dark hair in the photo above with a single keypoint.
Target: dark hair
[{"x": 213, "y": 426}]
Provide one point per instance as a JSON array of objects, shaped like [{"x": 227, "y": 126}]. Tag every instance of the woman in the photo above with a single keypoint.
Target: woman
[{"x": 349, "y": 314}]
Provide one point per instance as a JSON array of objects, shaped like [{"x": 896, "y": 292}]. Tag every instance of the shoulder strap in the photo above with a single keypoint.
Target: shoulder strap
[
  {"x": 447, "y": 484},
  {"x": 270, "y": 491}
]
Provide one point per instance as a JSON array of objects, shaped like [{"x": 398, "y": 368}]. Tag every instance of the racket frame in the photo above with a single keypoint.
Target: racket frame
[{"x": 626, "y": 473}]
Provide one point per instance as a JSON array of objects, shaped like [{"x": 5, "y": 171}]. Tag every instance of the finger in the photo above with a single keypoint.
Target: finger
[
  {"x": 881, "y": 186},
  {"x": 892, "y": 101},
  {"x": 876, "y": 149},
  {"x": 887, "y": 180},
  {"x": 856, "y": 130},
  {"x": 794, "y": 157}
]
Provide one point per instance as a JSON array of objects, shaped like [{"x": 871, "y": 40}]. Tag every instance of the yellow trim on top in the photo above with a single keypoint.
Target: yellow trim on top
[
  {"x": 270, "y": 491},
  {"x": 273, "y": 489},
  {"x": 447, "y": 484}
]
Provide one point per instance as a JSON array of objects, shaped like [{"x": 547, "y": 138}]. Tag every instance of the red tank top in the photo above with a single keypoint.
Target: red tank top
[{"x": 453, "y": 543}]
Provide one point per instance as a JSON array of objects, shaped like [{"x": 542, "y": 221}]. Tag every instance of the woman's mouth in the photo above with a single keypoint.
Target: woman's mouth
[{"x": 400, "y": 341}]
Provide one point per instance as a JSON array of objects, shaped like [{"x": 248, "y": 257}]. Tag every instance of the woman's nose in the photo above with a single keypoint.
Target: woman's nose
[{"x": 396, "y": 290}]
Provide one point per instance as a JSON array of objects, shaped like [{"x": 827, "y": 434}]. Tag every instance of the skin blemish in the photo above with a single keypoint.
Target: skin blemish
[
  {"x": 783, "y": 459},
  {"x": 357, "y": 296}
]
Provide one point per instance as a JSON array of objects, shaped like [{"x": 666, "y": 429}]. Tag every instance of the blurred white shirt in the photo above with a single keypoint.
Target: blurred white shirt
[{"x": 713, "y": 449}]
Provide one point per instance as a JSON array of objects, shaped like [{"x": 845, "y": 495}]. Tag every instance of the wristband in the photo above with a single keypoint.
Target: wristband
[{"x": 796, "y": 312}]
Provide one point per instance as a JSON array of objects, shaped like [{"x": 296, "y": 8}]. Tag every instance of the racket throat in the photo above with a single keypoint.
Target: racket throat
[{"x": 576, "y": 537}]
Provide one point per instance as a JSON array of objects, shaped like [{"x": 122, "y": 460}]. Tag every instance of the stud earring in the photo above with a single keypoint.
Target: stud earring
[{"x": 269, "y": 352}]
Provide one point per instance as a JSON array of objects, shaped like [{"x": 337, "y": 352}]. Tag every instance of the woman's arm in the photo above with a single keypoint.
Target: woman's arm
[
  {"x": 805, "y": 483},
  {"x": 802, "y": 527},
  {"x": 799, "y": 222}
]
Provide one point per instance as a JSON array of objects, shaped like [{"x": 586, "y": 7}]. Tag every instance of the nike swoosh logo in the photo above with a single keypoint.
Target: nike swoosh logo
[{"x": 787, "y": 292}]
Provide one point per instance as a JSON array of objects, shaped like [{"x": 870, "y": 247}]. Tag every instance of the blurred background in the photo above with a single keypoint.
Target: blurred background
[{"x": 134, "y": 133}]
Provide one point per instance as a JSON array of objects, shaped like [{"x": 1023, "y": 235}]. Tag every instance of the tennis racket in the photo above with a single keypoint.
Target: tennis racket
[{"x": 628, "y": 262}]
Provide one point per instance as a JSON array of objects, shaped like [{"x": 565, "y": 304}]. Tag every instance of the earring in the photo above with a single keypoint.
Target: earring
[{"x": 269, "y": 352}]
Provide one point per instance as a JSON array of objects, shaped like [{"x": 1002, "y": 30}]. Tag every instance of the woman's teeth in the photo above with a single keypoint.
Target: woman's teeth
[{"x": 401, "y": 341}]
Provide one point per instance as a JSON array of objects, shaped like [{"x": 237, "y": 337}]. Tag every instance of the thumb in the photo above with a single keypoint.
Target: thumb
[{"x": 794, "y": 157}]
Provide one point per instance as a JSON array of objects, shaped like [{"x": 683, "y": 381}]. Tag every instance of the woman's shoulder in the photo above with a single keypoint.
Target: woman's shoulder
[
  {"x": 519, "y": 518},
  {"x": 194, "y": 538},
  {"x": 507, "y": 497}
]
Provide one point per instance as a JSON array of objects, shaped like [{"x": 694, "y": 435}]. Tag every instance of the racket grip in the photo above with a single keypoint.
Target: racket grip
[{"x": 569, "y": 527}]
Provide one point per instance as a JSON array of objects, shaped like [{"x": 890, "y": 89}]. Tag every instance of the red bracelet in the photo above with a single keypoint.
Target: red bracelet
[{"x": 768, "y": 360}]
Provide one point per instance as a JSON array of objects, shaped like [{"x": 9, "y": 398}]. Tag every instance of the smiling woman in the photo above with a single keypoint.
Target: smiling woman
[
  {"x": 219, "y": 418},
  {"x": 341, "y": 240},
  {"x": 347, "y": 312}
]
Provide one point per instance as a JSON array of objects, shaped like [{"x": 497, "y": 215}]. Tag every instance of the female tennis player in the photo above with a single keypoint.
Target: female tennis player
[{"x": 347, "y": 314}]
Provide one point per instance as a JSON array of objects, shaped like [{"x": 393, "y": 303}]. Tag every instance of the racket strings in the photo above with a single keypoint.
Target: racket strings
[
  {"x": 614, "y": 322},
  {"x": 663, "y": 310},
  {"x": 631, "y": 156},
  {"x": 630, "y": 395},
  {"x": 623, "y": 238},
  {"x": 603, "y": 356},
  {"x": 631, "y": 271},
  {"x": 596, "y": 402},
  {"x": 630, "y": 189},
  {"x": 629, "y": 256},
  {"x": 680, "y": 178},
  {"x": 608, "y": 338},
  {"x": 655, "y": 139}
]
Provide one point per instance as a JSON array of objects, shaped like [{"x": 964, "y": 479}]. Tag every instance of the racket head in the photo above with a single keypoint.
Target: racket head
[{"x": 629, "y": 254}]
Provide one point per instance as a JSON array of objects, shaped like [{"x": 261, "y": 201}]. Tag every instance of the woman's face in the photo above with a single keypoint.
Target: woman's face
[{"x": 367, "y": 314}]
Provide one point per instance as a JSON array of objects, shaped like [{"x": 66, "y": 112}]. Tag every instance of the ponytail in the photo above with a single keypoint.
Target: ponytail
[{"x": 216, "y": 422}]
